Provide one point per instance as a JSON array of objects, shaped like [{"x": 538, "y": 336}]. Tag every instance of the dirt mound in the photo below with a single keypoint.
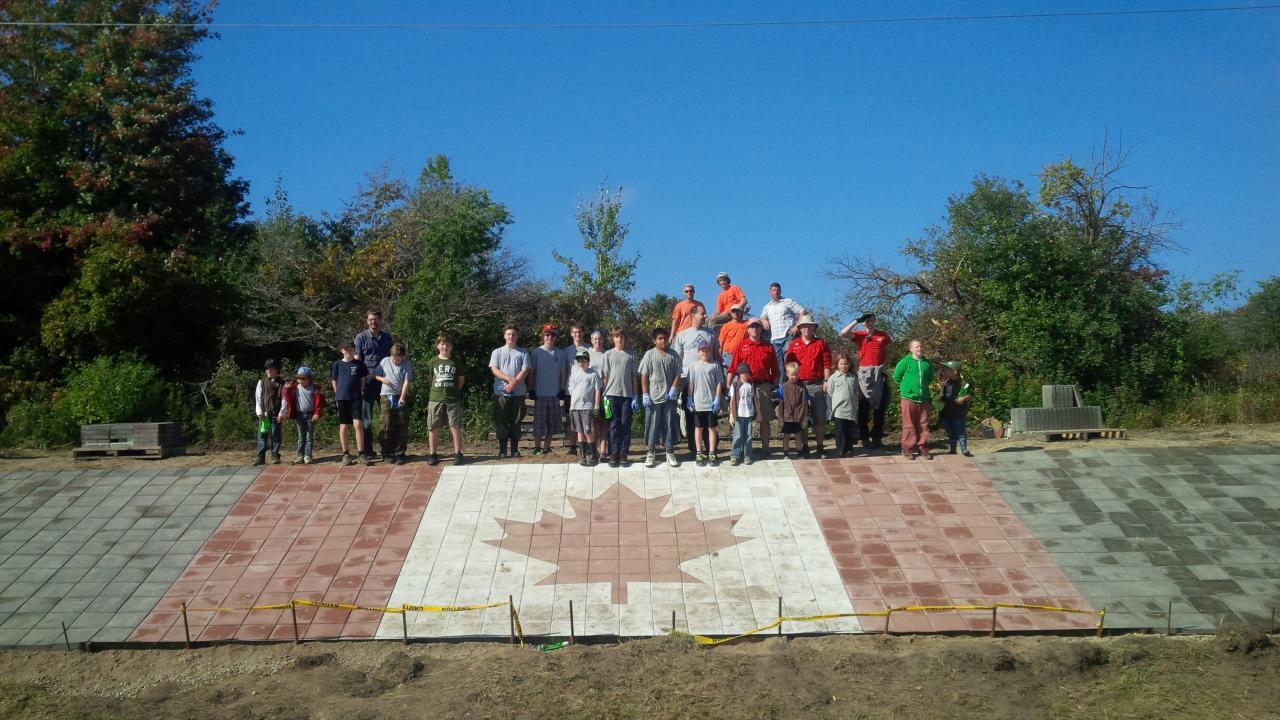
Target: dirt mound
[
  {"x": 1059, "y": 658},
  {"x": 978, "y": 655},
  {"x": 398, "y": 669},
  {"x": 1236, "y": 638}
]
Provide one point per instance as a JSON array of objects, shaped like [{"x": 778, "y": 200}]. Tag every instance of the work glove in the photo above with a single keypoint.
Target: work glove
[
  {"x": 715, "y": 405},
  {"x": 778, "y": 392},
  {"x": 635, "y": 403},
  {"x": 689, "y": 403},
  {"x": 648, "y": 402},
  {"x": 671, "y": 394}
]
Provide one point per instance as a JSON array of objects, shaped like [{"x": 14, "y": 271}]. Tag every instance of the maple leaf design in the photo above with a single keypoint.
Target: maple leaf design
[{"x": 619, "y": 537}]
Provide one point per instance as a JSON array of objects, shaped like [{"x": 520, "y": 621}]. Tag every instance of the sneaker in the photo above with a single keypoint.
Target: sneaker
[
  {"x": 457, "y": 458},
  {"x": 712, "y": 460},
  {"x": 259, "y": 461},
  {"x": 348, "y": 460},
  {"x": 734, "y": 462},
  {"x": 434, "y": 459},
  {"x": 297, "y": 460},
  {"x": 613, "y": 461},
  {"x": 388, "y": 458},
  {"x": 746, "y": 460},
  {"x": 926, "y": 455},
  {"x": 515, "y": 453},
  {"x": 650, "y": 459},
  {"x": 572, "y": 450},
  {"x": 368, "y": 461},
  {"x": 502, "y": 454},
  {"x": 671, "y": 459},
  {"x": 275, "y": 459},
  {"x": 700, "y": 460},
  {"x": 400, "y": 459},
  {"x": 306, "y": 460},
  {"x": 966, "y": 453}
]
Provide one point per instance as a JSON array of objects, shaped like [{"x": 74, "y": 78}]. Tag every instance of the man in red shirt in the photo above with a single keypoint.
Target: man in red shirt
[
  {"x": 813, "y": 356},
  {"x": 729, "y": 296},
  {"x": 680, "y": 314},
  {"x": 873, "y": 384},
  {"x": 758, "y": 354}
]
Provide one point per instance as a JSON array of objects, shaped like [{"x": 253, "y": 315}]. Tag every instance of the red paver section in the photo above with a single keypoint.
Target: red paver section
[
  {"x": 327, "y": 534},
  {"x": 934, "y": 532}
]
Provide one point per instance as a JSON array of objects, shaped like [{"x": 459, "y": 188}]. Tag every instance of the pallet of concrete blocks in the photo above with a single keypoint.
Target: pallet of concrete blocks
[
  {"x": 129, "y": 440},
  {"x": 1063, "y": 417}
]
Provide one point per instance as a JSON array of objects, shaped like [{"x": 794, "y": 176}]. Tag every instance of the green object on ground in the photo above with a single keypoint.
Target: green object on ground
[{"x": 548, "y": 647}]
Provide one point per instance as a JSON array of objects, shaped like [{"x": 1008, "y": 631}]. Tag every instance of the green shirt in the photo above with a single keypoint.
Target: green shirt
[
  {"x": 443, "y": 377},
  {"x": 913, "y": 378}
]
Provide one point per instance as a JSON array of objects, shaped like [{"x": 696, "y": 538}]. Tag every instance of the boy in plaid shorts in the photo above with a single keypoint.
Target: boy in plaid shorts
[{"x": 548, "y": 375}]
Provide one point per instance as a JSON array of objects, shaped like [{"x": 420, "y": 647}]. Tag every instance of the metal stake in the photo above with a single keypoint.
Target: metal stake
[
  {"x": 186, "y": 629},
  {"x": 888, "y": 614},
  {"x": 673, "y": 621},
  {"x": 511, "y": 619},
  {"x": 67, "y": 640},
  {"x": 404, "y": 625},
  {"x": 293, "y": 611},
  {"x": 1169, "y": 616},
  {"x": 573, "y": 638},
  {"x": 1102, "y": 619},
  {"x": 994, "y": 608},
  {"x": 779, "y": 616}
]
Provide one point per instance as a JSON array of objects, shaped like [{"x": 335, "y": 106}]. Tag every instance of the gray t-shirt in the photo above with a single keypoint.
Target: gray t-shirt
[
  {"x": 703, "y": 378},
  {"x": 597, "y": 359},
  {"x": 547, "y": 365},
  {"x": 685, "y": 346},
  {"x": 662, "y": 369},
  {"x": 583, "y": 384},
  {"x": 397, "y": 374},
  {"x": 619, "y": 373},
  {"x": 510, "y": 361}
]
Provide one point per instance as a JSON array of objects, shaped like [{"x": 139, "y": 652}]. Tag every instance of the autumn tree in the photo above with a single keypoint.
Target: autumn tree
[{"x": 118, "y": 210}]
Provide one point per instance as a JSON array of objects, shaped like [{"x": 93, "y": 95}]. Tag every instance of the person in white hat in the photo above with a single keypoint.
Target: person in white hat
[
  {"x": 813, "y": 358},
  {"x": 729, "y": 296}
]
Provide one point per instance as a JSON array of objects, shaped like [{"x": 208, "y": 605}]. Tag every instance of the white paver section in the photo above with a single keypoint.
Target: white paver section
[{"x": 783, "y": 555}]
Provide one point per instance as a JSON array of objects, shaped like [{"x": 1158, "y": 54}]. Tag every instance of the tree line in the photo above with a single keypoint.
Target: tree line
[{"x": 140, "y": 286}]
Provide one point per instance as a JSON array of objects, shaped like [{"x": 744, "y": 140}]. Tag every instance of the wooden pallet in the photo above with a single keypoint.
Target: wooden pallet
[
  {"x": 83, "y": 453},
  {"x": 1100, "y": 433}
]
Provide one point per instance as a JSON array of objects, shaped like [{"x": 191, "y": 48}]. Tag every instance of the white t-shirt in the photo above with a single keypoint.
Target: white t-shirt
[
  {"x": 746, "y": 400},
  {"x": 782, "y": 315}
]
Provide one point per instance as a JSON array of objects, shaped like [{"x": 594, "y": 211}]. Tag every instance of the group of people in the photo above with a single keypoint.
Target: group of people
[{"x": 753, "y": 370}]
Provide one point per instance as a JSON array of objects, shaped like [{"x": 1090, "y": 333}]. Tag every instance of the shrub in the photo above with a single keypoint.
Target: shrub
[
  {"x": 40, "y": 424},
  {"x": 114, "y": 388}
]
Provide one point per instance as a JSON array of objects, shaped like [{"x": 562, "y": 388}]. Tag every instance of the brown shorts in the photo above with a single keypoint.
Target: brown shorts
[{"x": 764, "y": 402}]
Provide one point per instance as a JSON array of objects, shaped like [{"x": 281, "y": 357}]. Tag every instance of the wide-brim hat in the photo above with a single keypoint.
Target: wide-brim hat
[
  {"x": 866, "y": 316},
  {"x": 952, "y": 365},
  {"x": 806, "y": 319},
  {"x": 724, "y": 275}
]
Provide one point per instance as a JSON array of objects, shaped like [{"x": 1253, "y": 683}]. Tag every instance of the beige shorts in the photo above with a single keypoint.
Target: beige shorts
[{"x": 441, "y": 411}]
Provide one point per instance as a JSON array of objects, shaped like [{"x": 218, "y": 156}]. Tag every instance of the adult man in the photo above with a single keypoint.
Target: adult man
[
  {"x": 813, "y": 356},
  {"x": 733, "y": 332},
  {"x": 729, "y": 296},
  {"x": 779, "y": 318},
  {"x": 873, "y": 385},
  {"x": 372, "y": 346},
  {"x": 548, "y": 377},
  {"x": 510, "y": 366},
  {"x": 682, "y": 313},
  {"x": 914, "y": 374},
  {"x": 685, "y": 346},
  {"x": 759, "y": 357},
  {"x": 577, "y": 333}
]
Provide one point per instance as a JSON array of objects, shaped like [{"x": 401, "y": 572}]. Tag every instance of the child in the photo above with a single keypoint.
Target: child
[
  {"x": 444, "y": 404},
  {"x": 843, "y": 397},
  {"x": 957, "y": 395},
  {"x": 659, "y": 383},
  {"x": 622, "y": 393},
  {"x": 706, "y": 385},
  {"x": 742, "y": 410},
  {"x": 585, "y": 387},
  {"x": 794, "y": 411},
  {"x": 304, "y": 403},
  {"x": 394, "y": 373},
  {"x": 266, "y": 404},
  {"x": 347, "y": 376}
]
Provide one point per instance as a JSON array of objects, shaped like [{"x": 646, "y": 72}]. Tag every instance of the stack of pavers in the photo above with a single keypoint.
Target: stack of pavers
[
  {"x": 1064, "y": 416},
  {"x": 124, "y": 439}
]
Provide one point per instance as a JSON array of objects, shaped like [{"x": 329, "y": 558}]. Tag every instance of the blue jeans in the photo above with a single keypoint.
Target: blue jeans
[
  {"x": 272, "y": 435},
  {"x": 741, "y": 438},
  {"x": 306, "y": 436},
  {"x": 780, "y": 349},
  {"x": 956, "y": 433},
  {"x": 661, "y": 428},
  {"x": 620, "y": 425}
]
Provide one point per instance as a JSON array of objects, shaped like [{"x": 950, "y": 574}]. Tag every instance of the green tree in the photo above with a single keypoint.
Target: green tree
[
  {"x": 599, "y": 294},
  {"x": 111, "y": 168}
]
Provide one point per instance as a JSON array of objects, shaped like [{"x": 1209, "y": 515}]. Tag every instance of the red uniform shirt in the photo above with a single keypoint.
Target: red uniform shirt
[
  {"x": 872, "y": 347},
  {"x": 760, "y": 357},
  {"x": 813, "y": 358}
]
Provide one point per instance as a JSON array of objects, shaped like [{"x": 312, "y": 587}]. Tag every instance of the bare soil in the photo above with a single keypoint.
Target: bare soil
[
  {"x": 1227, "y": 435},
  {"x": 666, "y": 677}
]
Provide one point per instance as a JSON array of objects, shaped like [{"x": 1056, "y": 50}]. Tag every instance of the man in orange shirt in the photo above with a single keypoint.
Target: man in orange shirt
[
  {"x": 733, "y": 332},
  {"x": 729, "y": 296},
  {"x": 680, "y": 314}
]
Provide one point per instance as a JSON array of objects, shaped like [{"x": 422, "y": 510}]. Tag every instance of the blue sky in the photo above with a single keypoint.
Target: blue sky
[{"x": 761, "y": 151}]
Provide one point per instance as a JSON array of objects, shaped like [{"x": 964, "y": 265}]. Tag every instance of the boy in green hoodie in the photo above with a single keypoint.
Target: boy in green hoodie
[{"x": 913, "y": 375}]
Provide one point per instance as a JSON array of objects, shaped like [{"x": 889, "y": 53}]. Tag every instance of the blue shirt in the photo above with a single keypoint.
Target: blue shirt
[
  {"x": 372, "y": 350},
  {"x": 347, "y": 375}
]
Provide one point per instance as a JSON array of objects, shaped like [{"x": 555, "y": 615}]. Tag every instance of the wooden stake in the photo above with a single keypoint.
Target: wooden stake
[
  {"x": 186, "y": 629},
  {"x": 404, "y": 625},
  {"x": 573, "y": 638},
  {"x": 65, "y": 639},
  {"x": 887, "y": 616},
  {"x": 511, "y": 619},
  {"x": 1102, "y": 619},
  {"x": 994, "y": 608},
  {"x": 673, "y": 621},
  {"x": 293, "y": 612},
  {"x": 1169, "y": 617},
  {"x": 779, "y": 615}
]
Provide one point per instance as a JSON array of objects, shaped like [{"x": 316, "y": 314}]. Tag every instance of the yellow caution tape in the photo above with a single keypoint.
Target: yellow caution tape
[
  {"x": 515, "y": 620},
  {"x": 343, "y": 606},
  {"x": 449, "y": 608}
]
